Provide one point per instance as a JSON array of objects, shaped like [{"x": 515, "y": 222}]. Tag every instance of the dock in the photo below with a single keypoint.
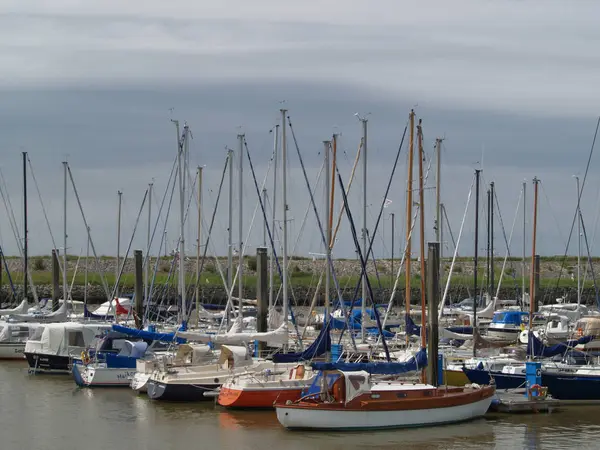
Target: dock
[{"x": 515, "y": 401}]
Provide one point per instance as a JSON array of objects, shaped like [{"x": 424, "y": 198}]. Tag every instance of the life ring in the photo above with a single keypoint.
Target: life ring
[
  {"x": 85, "y": 358},
  {"x": 537, "y": 391}
]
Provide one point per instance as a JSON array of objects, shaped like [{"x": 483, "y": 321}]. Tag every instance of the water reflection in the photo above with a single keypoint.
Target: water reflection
[{"x": 50, "y": 412}]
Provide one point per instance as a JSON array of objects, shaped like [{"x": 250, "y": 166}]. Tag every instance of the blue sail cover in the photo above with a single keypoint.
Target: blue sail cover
[
  {"x": 412, "y": 329},
  {"x": 415, "y": 363},
  {"x": 320, "y": 346},
  {"x": 537, "y": 347},
  {"x": 164, "y": 337}
]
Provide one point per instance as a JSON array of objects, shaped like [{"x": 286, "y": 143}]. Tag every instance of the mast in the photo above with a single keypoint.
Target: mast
[
  {"x": 438, "y": 210},
  {"x": 230, "y": 227},
  {"x": 532, "y": 269},
  {"x": 422, "y": 241},
  {"x": 284, "y": 180},
  {"x": 524, "y": 247},
  {"x": 25, "y": 231},
  {"x": 392, "y": 271},
  {"x": 146, "y": 284},
  {"x": 487, "y": 261},
  {"x": 578, "y": 245},
  {"x": 87, "y": 259},
  {"x": 264, "y": 201},
  {"x": 199, "y": 241},
  {"x": 328, "y": 218},
  {"x": 65, "y": 291},
  {"x": 476, "y": 260},
  {"x": 409, "y": 189},
  {"x": 492, "y": 276},
  {"x": 240, "y": 224},
  {"x": 181, "y": 163},
  {"x": 332, "y": 190},
  {"x": 273, "y": 210},
  {"x": 364, "y": 234}
]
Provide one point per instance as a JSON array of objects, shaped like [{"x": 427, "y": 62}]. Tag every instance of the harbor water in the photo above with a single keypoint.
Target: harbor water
[{"x": 49, "y": 412}]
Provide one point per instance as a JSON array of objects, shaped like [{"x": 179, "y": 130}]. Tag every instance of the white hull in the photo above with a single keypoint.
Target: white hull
[
  {"x": 139, "y": 383},
  {"x": 105, "y": 377},
  {"x": 12, "y": 350},
  {"x": 304, "y": 418}
]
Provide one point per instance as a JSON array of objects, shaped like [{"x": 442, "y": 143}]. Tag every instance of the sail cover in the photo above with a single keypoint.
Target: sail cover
[
  {"x": 418, "y": 361},
  {"x": 321, "y": 345},
  {"x": 21, "y": 309},
  {"x": 537, "y": 347},
  {"x": 276, "y": 337},
  {"x": 60, "y": 315},
  {"x": 143, "y": 334}
]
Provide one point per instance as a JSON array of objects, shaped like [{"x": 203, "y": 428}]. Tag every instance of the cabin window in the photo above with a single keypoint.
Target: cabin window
[
  {"x": 76, "y": 339},
  {"x": 428, "y": 393},
  {"x": 401, "y": 394}
]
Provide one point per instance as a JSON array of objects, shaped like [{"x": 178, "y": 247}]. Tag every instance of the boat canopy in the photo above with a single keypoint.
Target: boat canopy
[
  {"x": 416, "y": 362},
  {"x": 192, "y": 354},
  {"x": 133, "y": 349},
  {"x": 233, "y": 356},
  {"x": 510, "y": 317},
  {"x": 589, "y": 326},
  {"x": 57, "y": 338},
  {"x": 10, "y": 332}
]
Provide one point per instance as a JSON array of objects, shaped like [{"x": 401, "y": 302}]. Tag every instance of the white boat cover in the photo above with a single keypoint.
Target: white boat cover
[
  {"x": 192, "y": 354},
  {"x": 272, "y": 338},
  {"x": 447, "y": 334},
  {"x": 9, "y": 330},
  {"x": 232, "y": 356},
  {"x": 357, "y": 383},
  {"x": 274, "y": 318},
  {"x": 56, "y": 338},
  {"x": 134, "y": 349},
  {"x": 21, "y": 309}
]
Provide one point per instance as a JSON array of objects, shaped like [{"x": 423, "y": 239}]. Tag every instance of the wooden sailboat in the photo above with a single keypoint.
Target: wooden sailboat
[{"x": 353, "y": 397}]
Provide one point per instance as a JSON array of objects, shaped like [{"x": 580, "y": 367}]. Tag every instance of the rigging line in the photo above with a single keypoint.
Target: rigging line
[
  {"x": 449, "y": 227},
  {"x": 587, "y": 167},
  {"x": 509, "y": 241},
  {"x": 506, "y": 241},
  {"x": 553, "y": 213},
  {"x": 172, "y": 176},
  {"x": 270, "y": 235},
  {"x": 212, "y": 220},
  {"x": 89, "y": 236},
  {"x": 462, "y": 226},
  {"x": 37, "y": 188},
  {"x": 245, "y": 245},
  {"x": 122, "y": 269},
  {"x": 363, "y": 263},
  {"x": 589, "y": 258},
  {"x": 358, "y": 284},
  {"x": 324, "y": 240}
]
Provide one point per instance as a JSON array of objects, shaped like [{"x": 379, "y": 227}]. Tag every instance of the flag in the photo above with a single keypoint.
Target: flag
[{"x": 387, "y": 203}]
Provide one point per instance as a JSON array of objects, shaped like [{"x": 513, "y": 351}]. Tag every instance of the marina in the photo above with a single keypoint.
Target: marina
[{"x": 291, "y": 225}]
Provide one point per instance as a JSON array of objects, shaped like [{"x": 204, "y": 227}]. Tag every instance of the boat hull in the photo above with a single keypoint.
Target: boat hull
[
  {"x": 91, "y": 376},
  {"x": 12, "y": 350},
  {"x": 139, "y": 382},
  {"x": 257, "y": 398},
  {"x": 503, "y": 334},
  {"x": 501, "y": 380},
  {"x": 41, "y": 363},
  {"x": 174, "y": 392},
  {"x": 340, "y": 419},
  {"x": 572, "y": 387}
]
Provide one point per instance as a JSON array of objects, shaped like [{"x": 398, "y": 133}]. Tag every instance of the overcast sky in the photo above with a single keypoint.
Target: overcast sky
[{"x": 511, "y": 86}]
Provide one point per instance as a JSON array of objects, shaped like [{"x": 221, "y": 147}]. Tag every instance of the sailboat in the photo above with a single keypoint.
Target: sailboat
[{"x": 362, "y": 396}]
